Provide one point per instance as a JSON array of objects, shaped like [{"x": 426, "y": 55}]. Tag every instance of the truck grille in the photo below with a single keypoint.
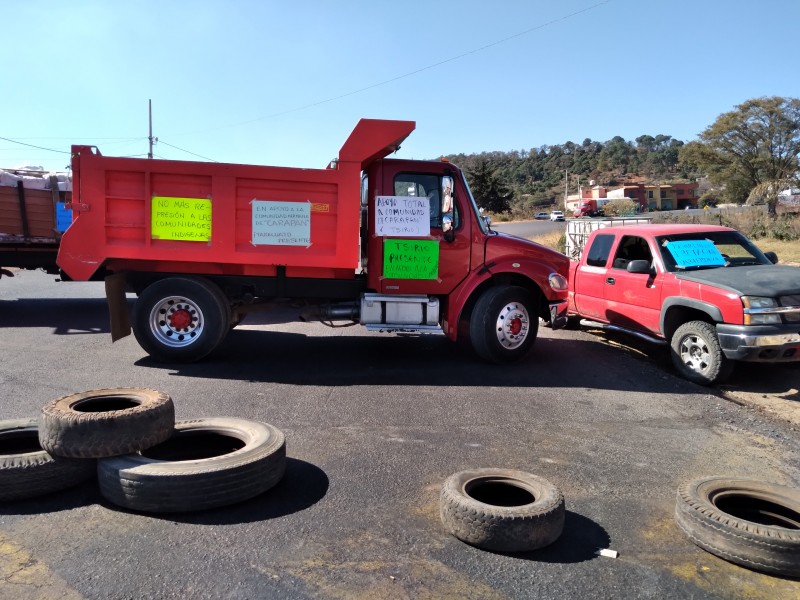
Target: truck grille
[{"x": 794, "y": 301}]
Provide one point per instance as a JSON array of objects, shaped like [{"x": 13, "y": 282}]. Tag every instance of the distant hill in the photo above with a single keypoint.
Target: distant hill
[{"x": 536, "y": 177}]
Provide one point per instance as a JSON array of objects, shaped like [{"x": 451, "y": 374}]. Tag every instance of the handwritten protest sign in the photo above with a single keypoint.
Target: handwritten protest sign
[
  {"x": 410, "y": 259},
  {"x": 184, "y": 219},
  {"x": 695, "y": 253},
  {"x": 281, "y": 223},
  {"x": 408, "y": 216}
]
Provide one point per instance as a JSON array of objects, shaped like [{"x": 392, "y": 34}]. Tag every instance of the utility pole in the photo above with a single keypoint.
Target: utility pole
[
  {"x": 566, "y": 187},
  {"x": 150, "y": 118}
]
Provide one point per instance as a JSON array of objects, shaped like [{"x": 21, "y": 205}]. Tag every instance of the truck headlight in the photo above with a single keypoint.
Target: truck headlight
[
  {"x": 558, "y": 282},
  {"x": 758, "y": 302},
  {"x": 754, "y": 305}
]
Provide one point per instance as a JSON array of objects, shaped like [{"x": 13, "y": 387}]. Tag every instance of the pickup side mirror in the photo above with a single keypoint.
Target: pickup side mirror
[
  {"x": 773, "y": 258},
  {"x": 638, "y": 266}
]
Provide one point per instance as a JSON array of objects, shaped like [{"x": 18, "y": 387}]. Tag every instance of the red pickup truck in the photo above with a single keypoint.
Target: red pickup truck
[{"x": 707, "y": 291}]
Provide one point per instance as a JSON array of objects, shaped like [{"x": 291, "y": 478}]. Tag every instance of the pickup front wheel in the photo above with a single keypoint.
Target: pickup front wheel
[
  {"x": 697, "y": 355},
  {"x": 504, "y": 324},
  {"x": 181, "y": 319}
]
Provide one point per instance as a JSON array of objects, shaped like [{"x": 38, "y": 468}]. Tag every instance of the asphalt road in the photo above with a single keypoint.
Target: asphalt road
[
  {"x": 374, "y": 424},
  {"x": 528, "y": 229}
]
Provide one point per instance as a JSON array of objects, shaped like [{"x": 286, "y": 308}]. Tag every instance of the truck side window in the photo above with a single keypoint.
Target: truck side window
[
  {"x": 599, "y": 250},
  {"x": 423, "y": 186},
  {"x": 631, "y": 248}
]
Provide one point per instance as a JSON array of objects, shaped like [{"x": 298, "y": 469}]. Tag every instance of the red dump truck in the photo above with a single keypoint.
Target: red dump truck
[{"x": 394, "y": 245}]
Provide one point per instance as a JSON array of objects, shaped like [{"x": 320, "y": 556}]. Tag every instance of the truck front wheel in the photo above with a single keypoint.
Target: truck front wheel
[
  {"x": 180, "y": 319},
  {"x": 504, "y": 324},
  {"x": 697, "y": 355}
]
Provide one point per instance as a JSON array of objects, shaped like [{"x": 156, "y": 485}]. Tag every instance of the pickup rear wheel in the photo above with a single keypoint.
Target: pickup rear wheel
[
  {"x": 697, "y": 355},
  {"x": 504, "y": 324},
  {"x": 181, "y": 318}
]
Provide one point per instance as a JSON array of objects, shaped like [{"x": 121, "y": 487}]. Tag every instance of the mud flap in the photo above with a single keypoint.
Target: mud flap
[
  {"x": 558, "y": 315},
  {"x": 118, "y": 306}
]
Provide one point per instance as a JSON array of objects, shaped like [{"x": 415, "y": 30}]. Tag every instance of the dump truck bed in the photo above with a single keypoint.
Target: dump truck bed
[{"x": 215, "y": 218}]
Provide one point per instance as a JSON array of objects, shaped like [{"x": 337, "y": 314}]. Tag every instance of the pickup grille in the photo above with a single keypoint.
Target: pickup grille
[{"x": 794, "y": 301}]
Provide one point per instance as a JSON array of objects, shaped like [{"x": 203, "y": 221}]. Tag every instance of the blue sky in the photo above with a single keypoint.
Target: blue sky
[{"x": 283, "y": 83}]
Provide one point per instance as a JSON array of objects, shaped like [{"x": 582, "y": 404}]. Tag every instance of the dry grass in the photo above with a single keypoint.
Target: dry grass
[
  {"x": 788, "y": 251},
  {"x": 551, "y": 240}
]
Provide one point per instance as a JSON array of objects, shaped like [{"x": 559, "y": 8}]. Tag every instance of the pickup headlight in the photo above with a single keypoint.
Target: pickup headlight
[
  {"x": 757, "y": 311},
  {"x": 758, "y": 302},
  {"x": 558, "y": 282}
]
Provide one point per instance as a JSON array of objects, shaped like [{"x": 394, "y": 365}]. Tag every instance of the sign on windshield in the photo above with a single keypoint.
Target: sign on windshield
[{"x": 695, "y": 253}]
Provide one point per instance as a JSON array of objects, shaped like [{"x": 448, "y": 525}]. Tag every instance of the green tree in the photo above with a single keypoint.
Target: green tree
[
  {"x": 620, "y": 207},
  {"x": 490, "y": 192},
  {"x": 757, "y": 143}
]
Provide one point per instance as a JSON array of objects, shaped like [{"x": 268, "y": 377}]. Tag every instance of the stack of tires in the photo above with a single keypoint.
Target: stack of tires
[{"x": 143, "y": 459}]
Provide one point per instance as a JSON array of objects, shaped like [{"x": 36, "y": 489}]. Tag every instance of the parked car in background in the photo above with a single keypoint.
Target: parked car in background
[
  {"x": 557, "y": 215},
  {"x": 541, "y": 216}
]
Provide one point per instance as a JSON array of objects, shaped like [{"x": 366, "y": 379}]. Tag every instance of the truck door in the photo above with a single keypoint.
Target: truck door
[
  {"x": 422, "y": 231},
  {"x": 590, "y": 277},
  {"x": 633, "y": 300}
]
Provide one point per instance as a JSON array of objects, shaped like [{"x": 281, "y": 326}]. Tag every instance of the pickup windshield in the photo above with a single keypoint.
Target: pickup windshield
[{"x": 708, "y": 250}]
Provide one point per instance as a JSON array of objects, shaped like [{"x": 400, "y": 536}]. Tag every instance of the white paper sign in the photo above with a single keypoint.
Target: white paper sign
[
  {"x": 281, "y": 223},
  {"x": 408, "y": 216}
]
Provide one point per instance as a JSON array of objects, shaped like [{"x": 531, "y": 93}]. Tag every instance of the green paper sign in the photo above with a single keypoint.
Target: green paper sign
[{"x": 410, "y": 259}]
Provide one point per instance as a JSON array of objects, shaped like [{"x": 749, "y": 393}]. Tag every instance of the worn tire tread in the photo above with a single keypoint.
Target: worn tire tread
[
  {"x": 31, "y": 474},
  {"x": 150, "y": 485},
  {"x": 503, "y": 529},
  {"x": 767, "y": 548},
  {"x": 66, "y": 432}
]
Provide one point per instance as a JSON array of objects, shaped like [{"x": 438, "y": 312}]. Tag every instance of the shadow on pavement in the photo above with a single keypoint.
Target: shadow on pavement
[
  {"x": 579, "y": 542},
  {"x": 303, "y": 485}
]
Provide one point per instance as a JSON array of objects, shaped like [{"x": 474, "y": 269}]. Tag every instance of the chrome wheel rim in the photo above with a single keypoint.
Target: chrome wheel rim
[
  {"x": 695, "y": 353},
  {"x": 176, "y": 321},
  {"x": 512, "y": 326}
]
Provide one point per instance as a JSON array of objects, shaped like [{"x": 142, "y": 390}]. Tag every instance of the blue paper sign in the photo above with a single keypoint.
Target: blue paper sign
[
  {"x": 695, "y": 253},
  {"x": 63, "y": 217}
]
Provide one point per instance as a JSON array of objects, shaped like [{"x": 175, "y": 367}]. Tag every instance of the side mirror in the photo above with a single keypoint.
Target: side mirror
[
  {"x": 773, "y": 258},
  {"x": 638, "y": 266}
]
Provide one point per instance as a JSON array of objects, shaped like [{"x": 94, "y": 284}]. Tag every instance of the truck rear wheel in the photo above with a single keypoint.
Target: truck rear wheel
[
  {"x": 504, "y": 324},
  {"x": 697, "y": 355},
  {"x": 181, "y": 318}
]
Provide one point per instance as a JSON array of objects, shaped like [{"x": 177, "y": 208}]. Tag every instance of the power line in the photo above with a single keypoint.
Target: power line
[
  {"x": 160, "y": 141},
  {"x": 415, "y": 72},
  {"x": 32, "y": 146}
]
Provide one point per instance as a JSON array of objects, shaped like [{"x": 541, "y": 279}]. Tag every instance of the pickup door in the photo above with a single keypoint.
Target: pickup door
[{"x": 606, "y": 291}]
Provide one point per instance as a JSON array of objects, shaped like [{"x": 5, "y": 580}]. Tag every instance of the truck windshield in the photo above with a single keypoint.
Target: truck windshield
[
  {"x": 708, "y": 250},
  {"x": 481, "y": 223}
]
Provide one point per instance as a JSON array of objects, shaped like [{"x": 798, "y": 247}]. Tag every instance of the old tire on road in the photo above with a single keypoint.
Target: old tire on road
[
  {"x": 697, "y": 354},
  {"x": 207, "y": 463},
  {"x": 502, "y": 510},
  {"x": 28, "y": 471},
  {"x": 101, "y": 423},
  {"x": 504, "y": 324},
  {"x": 181, "y": 319},
  {"x": 750, "y": 523}
]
